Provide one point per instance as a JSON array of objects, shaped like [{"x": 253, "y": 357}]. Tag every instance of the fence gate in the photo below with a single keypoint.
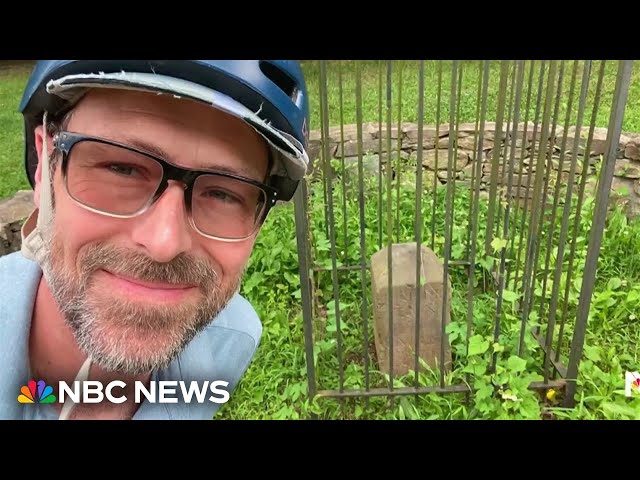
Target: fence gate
[{"x": 450, "y": 229}]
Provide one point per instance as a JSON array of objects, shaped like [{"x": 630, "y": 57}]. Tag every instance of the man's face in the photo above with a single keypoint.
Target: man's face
[{"x": 135, "y": 291}]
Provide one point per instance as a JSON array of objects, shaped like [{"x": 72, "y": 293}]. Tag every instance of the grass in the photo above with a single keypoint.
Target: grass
[
  {"x": 373, "y": 72},
  {"x": 276, "y": 383},
  {"x": 13, "y": 76}
]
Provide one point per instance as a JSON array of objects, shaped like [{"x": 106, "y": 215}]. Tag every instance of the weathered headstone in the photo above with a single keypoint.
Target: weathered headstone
[
  {"x": 404, "y": 308},
  {"x": 13, "y": 212}
]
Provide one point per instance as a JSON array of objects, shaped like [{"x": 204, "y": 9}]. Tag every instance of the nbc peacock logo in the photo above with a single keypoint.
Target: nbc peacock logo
[{"x": 36, "y": 393}]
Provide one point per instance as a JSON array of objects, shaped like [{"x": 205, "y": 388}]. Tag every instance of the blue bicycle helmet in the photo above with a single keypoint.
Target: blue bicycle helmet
[{"x": 270, "y": 95}]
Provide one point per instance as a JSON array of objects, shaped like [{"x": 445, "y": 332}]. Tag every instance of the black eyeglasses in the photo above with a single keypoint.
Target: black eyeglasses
[{"x": 121, "y": 181}]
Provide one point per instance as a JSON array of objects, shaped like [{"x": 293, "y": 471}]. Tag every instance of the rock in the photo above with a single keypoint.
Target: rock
[
  {"x": 627, "y": 168},
  {"x": 566, "y": 164},
  {"x": 487, "y": 167},
  {"x": 428, "y": 137},
  {"x": 467, "y": 172},
  {"x": 522, "y": 193},
  {"x": 487, "y": 144},
  {"x": 520, "y": 145},
  {"x": 429, "y": 159},
  {"x": 315, "y": 136},
  {"x": 444, "y": 175},
  {"x": 484, "y": 156},
  {"x": 348, "y": 132},
  {"x": 467, "y": 128},
  {"x": 518, "y": 152},
  {"x": 13, "y": 212},
  {"x": 375, "y": 131},
  {"x": 632, "y": 151},
  {"x": 464, "y": 129},
  {"x": 514, "y": 180},
  {"x": 404, "y": 156},
  {"x": 466, "y": 143},
  {"x": 559, "y": 131},
  {"x": 443, "y": 143},
  {"x": 621, "y": 188},
  {"x": 315, "y": 149},
  {"x": 403, "y": 290},
  {"x": 370, "y": 145},
  {"x": 598, "y": 144}
]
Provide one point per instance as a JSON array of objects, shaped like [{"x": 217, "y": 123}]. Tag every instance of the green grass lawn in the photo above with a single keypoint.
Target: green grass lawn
[
  {"x": 275, "y": 386},
  {"x": 13, "y": 77},
  {"x": 373, "y": 71}
]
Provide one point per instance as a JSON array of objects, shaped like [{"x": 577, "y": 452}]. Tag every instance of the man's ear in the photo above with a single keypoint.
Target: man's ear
[{"x": 39, "y": 140}]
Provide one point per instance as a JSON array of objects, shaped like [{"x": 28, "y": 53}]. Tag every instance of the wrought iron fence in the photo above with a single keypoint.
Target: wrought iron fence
[{"x": 494, "y": 214}]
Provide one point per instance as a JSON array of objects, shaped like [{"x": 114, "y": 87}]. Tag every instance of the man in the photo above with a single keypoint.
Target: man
[{"x": 151, "y": 181}]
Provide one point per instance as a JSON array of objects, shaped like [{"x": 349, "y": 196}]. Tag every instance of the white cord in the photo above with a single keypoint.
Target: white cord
[{"x": 82, "y": 376}]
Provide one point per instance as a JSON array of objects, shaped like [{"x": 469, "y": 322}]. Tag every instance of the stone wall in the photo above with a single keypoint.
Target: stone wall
[
  {"x": 625, "y": 186},
  {"x": 13, "y": 212}
]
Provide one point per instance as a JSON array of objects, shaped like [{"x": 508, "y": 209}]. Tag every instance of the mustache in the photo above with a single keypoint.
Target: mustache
[{"x": 183, "y": 269}]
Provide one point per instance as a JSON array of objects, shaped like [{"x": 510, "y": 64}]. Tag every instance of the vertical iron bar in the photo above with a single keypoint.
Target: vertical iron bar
[
  {"x": 484, "y": 78},
  {"x": 504, "y": 150},
  {"x": 548, "y": 170},
  {"x": 565, "y": 220},
  {"x": 363, "y": 247},
  {"x": 419, "y": 275},
  {"x": 379, "y": 154},
  {"x": 505, "y": 230},
  {"x": 399, "y": 150},
  {"x": 476, "y": 159},
  {"x": 530, "y": 172},
  {"x": 304, "y": 268},
  {"x": 332, "y": 233},
  {"x": 435, "y": 173},
  {"x": 345, "y": 244},
  {"x": 556, "y": 197},
  {"x": 447, "y": 220},
  {"x": 389, "y": 231},
  {"x": 454, "y": 173},
  {"x": 544, "y": 206},
  {"x": 535, "y": 204},
  {"x": 576, "y": 222},
  {"x": 504, "y": 71},
  {"x": 598, "y": 224},
  {"x": 525, "y": 141},
  {"x": 324, "y": 154}
]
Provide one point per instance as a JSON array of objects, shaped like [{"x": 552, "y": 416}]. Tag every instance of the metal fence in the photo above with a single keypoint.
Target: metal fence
[{"x": 517, "y": 229}]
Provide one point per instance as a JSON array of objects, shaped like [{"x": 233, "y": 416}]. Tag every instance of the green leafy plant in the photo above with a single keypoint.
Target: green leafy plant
[{"x": 497, "y": 370}]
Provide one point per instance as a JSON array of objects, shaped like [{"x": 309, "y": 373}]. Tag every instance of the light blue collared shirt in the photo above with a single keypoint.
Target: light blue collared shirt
[{"x": 222, "y": 351}]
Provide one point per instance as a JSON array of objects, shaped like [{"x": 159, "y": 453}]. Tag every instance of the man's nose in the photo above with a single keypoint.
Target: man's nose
[{"x": 164, "y": 230}]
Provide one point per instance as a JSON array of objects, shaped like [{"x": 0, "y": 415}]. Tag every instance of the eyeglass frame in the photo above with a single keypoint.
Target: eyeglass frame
[{"x": 64, "y": 141}]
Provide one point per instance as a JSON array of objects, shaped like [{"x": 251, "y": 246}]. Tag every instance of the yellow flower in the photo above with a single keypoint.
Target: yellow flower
[{"x": 551, "y": 394}]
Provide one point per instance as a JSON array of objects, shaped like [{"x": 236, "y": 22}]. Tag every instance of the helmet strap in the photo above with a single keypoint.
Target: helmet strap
[{"x": 32, "y": 240}]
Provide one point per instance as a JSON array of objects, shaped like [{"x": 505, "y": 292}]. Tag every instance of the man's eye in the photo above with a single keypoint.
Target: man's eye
[
  {"x": 123, "y": 169},
  {"x": 221, "y": 195}
]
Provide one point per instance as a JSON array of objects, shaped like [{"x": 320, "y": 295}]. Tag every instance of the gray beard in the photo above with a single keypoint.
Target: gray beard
[{"x": 124, "y": 336}]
